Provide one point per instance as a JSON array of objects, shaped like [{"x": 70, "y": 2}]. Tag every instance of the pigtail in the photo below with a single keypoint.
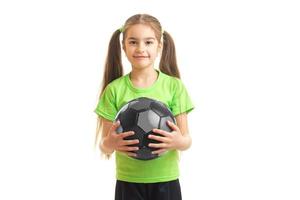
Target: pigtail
[
  {"x": 113, "y": 69},
  {"x": 168, "y": 62},
  {"x": 113, "y": 66}
]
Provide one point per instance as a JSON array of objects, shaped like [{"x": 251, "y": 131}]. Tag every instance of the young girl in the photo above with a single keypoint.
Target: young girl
[{"x": 142, "y": 41}]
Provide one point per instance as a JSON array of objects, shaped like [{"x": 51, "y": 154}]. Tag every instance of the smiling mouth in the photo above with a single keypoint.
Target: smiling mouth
[{"x": 141, "y": 57}]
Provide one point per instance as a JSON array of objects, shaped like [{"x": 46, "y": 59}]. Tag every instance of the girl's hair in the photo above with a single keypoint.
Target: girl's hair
[{"x": 113, "y": 66}]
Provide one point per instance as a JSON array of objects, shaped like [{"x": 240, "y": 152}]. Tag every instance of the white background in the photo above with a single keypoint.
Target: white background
[{"x": 239, "y": 60}]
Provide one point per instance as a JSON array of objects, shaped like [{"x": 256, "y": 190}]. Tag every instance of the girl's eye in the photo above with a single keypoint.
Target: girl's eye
[
  {"x": 132, "y": 42},
  {"x": 149, "y": 42}
]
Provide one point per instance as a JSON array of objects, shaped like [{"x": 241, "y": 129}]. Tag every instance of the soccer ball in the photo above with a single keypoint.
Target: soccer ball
[{"x": 141, "y": 115}]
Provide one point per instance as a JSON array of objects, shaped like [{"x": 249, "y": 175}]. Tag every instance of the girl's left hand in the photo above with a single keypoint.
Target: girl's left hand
[{"x": 169, "y": 140}]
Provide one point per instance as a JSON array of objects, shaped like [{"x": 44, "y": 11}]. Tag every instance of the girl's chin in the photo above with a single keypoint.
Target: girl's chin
[{"x": 141, "y": 66}]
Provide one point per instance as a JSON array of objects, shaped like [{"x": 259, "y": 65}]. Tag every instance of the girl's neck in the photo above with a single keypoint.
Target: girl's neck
[{"x": 143, "y": 78}]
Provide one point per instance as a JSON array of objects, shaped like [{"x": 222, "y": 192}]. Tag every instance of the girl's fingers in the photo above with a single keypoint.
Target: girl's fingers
[
  {"x": 159, "y": 145},
  {"x": 158, "y": 138},
  {"x": 126, "y": 134},
  {"x": 161, "y": 132},
  {"x": 127, "y": 149},
  {"x": 173, "y": 126},
  {"x": 130, "y": 142},
  {"x": 159, "y": 152},
  {"x": 131, "y": 154},
  {"x": 115, "y": 125}
]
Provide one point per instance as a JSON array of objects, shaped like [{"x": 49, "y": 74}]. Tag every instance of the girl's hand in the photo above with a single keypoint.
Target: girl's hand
[
  {"x": 169, "y": 140},
  {"x": 116, "y": 141}
]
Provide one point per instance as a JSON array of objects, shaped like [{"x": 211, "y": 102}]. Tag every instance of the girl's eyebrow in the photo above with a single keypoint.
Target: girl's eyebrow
[{"x": 148, "y": 38}]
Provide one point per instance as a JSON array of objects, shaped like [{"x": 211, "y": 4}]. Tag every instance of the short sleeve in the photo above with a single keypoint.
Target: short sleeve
[
  {"x": 181, "y": 102},
  {"x": 106, "y": 106}
]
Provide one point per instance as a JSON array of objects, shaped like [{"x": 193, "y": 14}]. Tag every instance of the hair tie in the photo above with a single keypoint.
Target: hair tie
[{"x": 121, "y": 29}]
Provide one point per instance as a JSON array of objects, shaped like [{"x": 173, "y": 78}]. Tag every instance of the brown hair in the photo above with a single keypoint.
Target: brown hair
[{"x": 113, "y": 66}]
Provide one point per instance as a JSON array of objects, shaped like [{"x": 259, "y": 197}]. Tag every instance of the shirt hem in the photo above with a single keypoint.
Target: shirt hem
[
  {"x": 104, "y": 115},
  {"x": 177, "y": 112},
  {"x": 143, "y": 180}
]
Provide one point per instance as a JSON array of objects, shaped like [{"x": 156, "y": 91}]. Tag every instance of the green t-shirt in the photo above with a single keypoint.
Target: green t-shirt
[{"x": 167, "y": 89}]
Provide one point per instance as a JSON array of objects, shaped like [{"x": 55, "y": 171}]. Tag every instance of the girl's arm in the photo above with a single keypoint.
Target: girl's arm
[
  {"x": 182, "y": 124},
  {"x": 106, "y": 125}
]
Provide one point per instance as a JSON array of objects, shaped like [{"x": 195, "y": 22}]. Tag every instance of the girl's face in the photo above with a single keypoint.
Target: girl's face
[{"x": 140, "y": 46}]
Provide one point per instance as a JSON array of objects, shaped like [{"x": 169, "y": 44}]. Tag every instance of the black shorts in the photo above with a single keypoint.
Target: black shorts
[{"x": 148, "y": 191}]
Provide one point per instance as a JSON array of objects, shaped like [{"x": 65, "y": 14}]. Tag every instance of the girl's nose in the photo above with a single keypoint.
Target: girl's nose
[{"x": 141, "y": 48}]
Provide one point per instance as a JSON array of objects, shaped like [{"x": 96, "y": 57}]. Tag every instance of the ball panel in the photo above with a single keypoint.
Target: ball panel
[
  {"x": 138, "y": 134},
  {"x": 128, "y": 119},
  {"x": 123, "y": 109},
  {"x": 145, "y": 154},
  {"x": 148, "y": 120},
  {"x": 160, "y": 109},
  {"x": 163, "y": 123},
  {"x": 141, "y": 104}
]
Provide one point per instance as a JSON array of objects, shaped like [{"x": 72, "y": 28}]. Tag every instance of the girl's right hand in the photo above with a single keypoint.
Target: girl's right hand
[{"x": 116, "y": 141}]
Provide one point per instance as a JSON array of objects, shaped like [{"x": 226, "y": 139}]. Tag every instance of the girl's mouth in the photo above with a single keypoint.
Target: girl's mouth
[{"x": 141, "y": 57}]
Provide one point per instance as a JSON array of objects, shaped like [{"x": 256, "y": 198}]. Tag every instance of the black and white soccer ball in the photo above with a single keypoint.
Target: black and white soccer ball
[{"x": 142, "y": 115}]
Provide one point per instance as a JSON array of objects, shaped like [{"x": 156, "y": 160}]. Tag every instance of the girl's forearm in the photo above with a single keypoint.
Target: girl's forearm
[
  {"x": 186, "y": 143},
  {"x": 105, "y": 148}
]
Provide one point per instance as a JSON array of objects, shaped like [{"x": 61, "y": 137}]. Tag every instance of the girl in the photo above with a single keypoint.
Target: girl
[{"x": 143, "y": 40}]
